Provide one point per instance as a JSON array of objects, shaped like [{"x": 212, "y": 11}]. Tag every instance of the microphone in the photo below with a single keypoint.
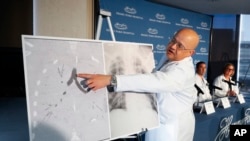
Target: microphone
[
  {"x": 241, "y": 84},
  {"x": 229, "y": 84},
  {"x": 198, "y": 89},
  {"x": 214, "y": 87}
]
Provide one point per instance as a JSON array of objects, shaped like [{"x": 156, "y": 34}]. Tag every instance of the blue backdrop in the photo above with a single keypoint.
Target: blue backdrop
[{"x": 142, "y": 21}]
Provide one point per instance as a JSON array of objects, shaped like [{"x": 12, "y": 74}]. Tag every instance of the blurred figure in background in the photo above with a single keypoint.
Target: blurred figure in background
[
  {"x": 202, "y": 83},
  {"x": 224, "y": 81}
]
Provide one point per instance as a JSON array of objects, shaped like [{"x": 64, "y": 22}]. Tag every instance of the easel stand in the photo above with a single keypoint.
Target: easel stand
[{"x": 106, "y": 15}]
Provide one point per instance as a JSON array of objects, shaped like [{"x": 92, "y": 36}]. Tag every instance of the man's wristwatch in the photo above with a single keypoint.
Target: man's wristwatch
[
  {"x": 113, "y": 81},
  {"x": 112, "y": 85}
]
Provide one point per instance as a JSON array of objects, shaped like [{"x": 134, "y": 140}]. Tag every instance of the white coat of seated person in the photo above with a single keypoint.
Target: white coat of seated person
[
  {"x": 203, "y": 98},
  {"x": 225, "y": 82},
  {"x": 201, "y": 84}
]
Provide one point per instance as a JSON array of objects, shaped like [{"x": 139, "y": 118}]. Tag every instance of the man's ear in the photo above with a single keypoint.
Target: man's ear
[{"x": 192, "y": 52}]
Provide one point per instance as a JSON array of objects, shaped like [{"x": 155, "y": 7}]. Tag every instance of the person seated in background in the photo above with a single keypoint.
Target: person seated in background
[
  {"x": 224, "y": 81},
  {"x": 202, "y": 83}
]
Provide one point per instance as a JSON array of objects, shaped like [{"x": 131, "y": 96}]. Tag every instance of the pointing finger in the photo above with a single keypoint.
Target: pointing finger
[{"x": 83, "y": 75}]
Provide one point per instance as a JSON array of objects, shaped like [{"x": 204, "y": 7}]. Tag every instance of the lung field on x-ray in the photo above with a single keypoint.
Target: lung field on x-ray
[{"x": 117, "y": 99}]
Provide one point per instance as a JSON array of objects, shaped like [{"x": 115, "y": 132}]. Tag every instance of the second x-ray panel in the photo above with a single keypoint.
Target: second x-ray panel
[
  {"x": 59, "y": 107},
  {"x": 130, "y": 112}
]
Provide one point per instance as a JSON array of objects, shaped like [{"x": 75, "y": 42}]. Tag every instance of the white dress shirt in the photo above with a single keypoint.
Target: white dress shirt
[
  {"x": 202, "y": 83},
  {"x": 218, "y": 81},
  {"x": 176, "y": 94}
]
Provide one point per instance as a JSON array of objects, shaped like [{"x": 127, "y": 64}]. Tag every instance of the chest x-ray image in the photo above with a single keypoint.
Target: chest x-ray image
[
  {"x": 61, "y": 109},
  {"x": 130, "y": 112}
]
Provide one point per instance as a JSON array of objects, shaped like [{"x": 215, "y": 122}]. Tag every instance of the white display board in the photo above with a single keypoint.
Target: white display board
[{"x": 59, "y": 108}]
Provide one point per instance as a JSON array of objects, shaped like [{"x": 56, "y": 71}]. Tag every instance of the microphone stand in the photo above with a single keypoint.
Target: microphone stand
[
  {"x": 230, "y": 87},
  {"x": 213, "y": 89},
  {"x": 196, "y": 107},
  {"x": 229, "y": 84},
  {"x": 198, "y": 101},
  {"x": 199, "y": 91}
]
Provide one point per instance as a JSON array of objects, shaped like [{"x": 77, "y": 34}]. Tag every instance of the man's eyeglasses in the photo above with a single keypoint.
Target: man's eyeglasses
[{"x": 178, "y": 44}]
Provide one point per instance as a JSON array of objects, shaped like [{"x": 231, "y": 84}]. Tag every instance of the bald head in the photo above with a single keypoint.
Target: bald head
[
  {"x": 182, "y": 45},
  {"x": 189, "y": 35}
]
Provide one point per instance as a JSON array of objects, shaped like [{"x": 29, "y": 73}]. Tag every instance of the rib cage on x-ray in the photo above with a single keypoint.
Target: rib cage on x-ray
[
  {"x": 129, "y": 110},
  {"x": 117, "y": 100}
]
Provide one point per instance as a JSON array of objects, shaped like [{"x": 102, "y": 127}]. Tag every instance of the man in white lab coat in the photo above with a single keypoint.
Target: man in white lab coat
[
  {"x": 202, "y": 83},
  {"x": 173, "y": 83}
]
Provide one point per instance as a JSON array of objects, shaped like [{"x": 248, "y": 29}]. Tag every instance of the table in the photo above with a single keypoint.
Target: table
[{"x": 215, "y": 127}]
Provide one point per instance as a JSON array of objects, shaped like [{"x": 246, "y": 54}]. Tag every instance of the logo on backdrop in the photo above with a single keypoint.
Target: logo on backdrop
[
  {"x": 160, "y": 48},
  {"x": 152, "y": 33},
  {"x": 184, "y": 22},
  {"x": 159, "y": 18},
  {"x": 203, "y": 51},
  {"x": 129, "y": 12},
  {"x": 121, "y": 26},
  {"x": 203, "y": 25},
  {"x": 121, "y": 29}
]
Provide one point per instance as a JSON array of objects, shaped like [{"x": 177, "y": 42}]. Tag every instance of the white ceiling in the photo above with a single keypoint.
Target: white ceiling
[{"x": 210, "y": 7}]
